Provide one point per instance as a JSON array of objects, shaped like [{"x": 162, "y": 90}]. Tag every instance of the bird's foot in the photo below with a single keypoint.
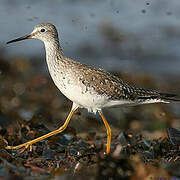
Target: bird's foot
[{"x": 25, "y": 146}]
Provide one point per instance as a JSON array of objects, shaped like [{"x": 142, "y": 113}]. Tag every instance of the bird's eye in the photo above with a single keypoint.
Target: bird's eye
[{"x": 42, "y": 30}]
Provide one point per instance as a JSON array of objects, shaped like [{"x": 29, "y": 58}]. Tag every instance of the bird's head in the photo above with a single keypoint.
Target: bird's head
[{"x": 45, "y": 32}]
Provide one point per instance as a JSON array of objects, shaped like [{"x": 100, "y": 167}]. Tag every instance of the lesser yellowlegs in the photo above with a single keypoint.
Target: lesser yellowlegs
[{"x": 87, "y": 87}]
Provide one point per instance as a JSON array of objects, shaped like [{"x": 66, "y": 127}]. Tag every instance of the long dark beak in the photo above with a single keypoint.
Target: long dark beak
[{"x": 20, "y": 39}]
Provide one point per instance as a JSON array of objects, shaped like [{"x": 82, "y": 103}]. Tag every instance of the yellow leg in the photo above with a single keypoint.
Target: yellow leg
[
  {"x": 29, "y": 143},
  {"x": 108, "y": 129}
]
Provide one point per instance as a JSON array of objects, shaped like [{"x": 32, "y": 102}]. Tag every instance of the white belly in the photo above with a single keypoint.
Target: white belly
[{"x": 79, "y": 94}]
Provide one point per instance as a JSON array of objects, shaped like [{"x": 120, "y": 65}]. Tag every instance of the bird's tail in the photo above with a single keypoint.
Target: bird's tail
[
  {"x": 159, "y": 97},
  {"x": 168, "y": 97}
]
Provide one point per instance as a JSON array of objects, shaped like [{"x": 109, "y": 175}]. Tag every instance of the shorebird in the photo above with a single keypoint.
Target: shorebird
[{"x": 86, "y": 86}]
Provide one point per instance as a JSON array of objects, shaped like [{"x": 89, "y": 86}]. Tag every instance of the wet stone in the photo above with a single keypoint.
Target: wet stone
[
  {"x": 147, "y": 143},
  {"x": 122, "y": 139},
  {"x": 26, "y": 114},
  {"x": 63, "y": 140},
  {"x": 147, "y": 155},
  {"x": 74, "y": 151},
  {"x": 61, "y": 149},
  {"x": 48, "y": 154},
  {"x": 83, "y": 144},
  {"x": 68, "y": 137},
  {"x": 174, "y": 136}
]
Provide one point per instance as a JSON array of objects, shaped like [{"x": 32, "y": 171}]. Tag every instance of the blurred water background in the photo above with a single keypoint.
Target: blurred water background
[{"x": 131, "y": 36}]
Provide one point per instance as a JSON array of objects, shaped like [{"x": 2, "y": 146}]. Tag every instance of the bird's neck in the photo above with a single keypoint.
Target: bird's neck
[
  {"x": 54, "y": 57},
  {"x": 53, "y": 51}
]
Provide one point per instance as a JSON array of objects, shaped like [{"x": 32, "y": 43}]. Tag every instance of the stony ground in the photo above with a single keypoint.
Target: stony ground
[{"x": 30, "y": 106}]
